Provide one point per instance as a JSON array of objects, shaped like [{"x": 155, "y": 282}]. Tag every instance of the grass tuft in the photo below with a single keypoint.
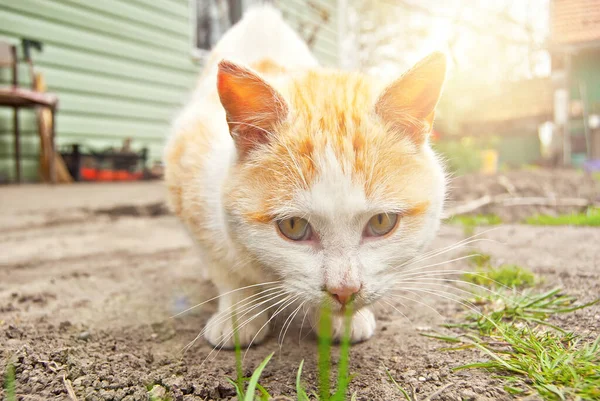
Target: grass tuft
[
  {"x": 470, "y": 222},
  {"x": 557, "y": 365},
  {"x": 591, "y": 217},
  {"x": 518, "y": 308},
  {"x": 511, "y": 276},
  {"x": 524, "y": 349}
]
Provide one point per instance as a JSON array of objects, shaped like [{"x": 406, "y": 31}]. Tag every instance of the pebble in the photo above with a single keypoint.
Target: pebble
[
  {"x": 157, "y": 392},
  {"x": 85, "y": 335}
]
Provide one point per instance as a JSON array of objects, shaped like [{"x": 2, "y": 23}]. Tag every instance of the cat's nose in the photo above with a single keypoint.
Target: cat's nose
[{"x": 343, "y": 294}]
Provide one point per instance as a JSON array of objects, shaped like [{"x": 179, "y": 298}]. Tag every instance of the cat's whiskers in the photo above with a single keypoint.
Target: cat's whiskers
[
  {"x": 395, "y": 297},
  {"x": 224, "y": 294},
  {"x": 437, "y": 252},
  {"x": 397, "y": 310},
  {"x": 289, "y": 321},
  {"x": 238, "y": 327},
  {"x": 428, "y": 280},
  {"x": 438, "y": 288},
  {"x": 461, "y": 243},
  {"x": 277, "y": 312},
  {"x": 227, "y": 314},
  {"x": 415, "y": 271},
  {"x": 446, "y": 295},
  {"x": 302, "y": 325},
  {"x": 232, "y": 312}
]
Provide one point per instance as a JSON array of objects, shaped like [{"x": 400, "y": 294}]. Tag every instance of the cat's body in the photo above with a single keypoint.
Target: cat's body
[{"x": 279, "y": 170}]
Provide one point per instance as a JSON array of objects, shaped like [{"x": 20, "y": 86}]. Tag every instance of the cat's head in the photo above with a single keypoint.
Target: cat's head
[{"x": 335, "y": 186}]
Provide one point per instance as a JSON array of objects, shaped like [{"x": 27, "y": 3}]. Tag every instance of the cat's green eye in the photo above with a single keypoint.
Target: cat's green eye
[
  {"x": 381, "y": 224},
  {"x": 295, "y": 228}
]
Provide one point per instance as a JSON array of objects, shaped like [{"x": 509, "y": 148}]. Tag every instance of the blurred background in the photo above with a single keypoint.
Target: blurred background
[{"x": 88, "y": 88}]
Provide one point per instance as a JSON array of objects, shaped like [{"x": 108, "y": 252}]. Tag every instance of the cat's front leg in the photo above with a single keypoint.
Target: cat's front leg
[
  {"x": 362, "y": 326},
  {"x": 251, "y": 319}
]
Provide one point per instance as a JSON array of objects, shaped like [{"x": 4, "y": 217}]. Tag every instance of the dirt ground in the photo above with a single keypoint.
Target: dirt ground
[{"x": 90, "y": 276}]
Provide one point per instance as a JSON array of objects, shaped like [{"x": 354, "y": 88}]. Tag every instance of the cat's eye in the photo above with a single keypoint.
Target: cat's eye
[
  {"x": 381, "y": 224},
  {"x": 295, "y": 228}
]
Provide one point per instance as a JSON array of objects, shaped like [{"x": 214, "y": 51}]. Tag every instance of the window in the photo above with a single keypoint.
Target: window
[{"x": 211, "y": 18}]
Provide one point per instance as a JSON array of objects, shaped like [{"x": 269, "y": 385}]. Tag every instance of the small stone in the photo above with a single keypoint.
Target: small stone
[
  {"x": 422, "y": 379},
  {"x": 85, "y": 335},
  {"x": 468, "y": 395}
]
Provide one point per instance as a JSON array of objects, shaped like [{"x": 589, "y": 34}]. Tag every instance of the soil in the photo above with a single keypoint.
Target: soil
[
  {"x": 546, "y": 185},
  {"x": 90, "y": 276}
]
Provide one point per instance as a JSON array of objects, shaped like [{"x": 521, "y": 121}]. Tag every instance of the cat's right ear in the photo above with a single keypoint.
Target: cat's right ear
[
  {"x": 408, "y": 104},
  {"x": 253, "y": 107}
]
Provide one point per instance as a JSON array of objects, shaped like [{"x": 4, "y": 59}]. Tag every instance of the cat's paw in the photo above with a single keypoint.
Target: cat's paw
[
  {"x": 362, "y": 327},
  {"x": 219, "y": 331}
]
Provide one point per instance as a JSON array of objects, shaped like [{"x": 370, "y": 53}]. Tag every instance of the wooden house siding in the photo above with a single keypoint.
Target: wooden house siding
[{"x": 121, "y": 68}]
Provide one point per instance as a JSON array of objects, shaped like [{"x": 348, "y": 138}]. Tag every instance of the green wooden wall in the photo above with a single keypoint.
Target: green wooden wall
[
  {"x": 585, "y": 72},
  {"x": 122, "y": 68}
]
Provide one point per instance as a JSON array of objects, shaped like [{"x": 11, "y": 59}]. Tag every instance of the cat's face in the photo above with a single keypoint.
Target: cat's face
[{"x": 336, "y": 186}]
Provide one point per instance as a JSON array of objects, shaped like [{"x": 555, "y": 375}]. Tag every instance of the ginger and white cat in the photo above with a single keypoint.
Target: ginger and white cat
[{"x": 300, "y": 184}]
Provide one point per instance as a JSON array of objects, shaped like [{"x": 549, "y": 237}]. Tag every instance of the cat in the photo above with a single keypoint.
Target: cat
[{"x": 301, "y": 184}]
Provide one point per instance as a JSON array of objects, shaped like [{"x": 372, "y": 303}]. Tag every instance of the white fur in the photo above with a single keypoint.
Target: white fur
[{"x": 244, "y": 254}]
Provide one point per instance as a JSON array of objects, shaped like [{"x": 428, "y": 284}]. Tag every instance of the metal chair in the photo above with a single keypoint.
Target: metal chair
[{"x": 19, "y": 97}]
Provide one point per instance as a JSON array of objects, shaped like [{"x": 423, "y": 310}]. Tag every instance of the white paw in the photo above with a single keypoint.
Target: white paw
[
  {"x": 362, "y": 327},
  {"x": 219, "y": 331}
]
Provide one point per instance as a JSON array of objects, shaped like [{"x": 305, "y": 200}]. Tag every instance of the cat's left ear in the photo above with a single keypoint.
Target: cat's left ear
[
  {"x": 253, "y": 107},
  {"x": 409, "y": 102}
]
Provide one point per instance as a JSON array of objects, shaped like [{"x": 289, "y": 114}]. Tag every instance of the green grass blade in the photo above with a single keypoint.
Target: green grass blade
[
  {"x": 9, "y": 383},
  {"x": 264, "y": 394},
  {"x": 343, "y": 376},
  {"x": 254, "y": 379},
  {"x": 398, "y": 386},
  {"x": 448, "y": 339},
  {"x": 238, "y": 360},
  {"x": 301, "y": 393},
  {"x": 324, "y": 351},
  {"x": 239, "y": 392},
  {"x": 302, "y": 396}
]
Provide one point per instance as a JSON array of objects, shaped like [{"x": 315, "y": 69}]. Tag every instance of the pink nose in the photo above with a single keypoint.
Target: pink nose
[{"x": 343, "y": 294}]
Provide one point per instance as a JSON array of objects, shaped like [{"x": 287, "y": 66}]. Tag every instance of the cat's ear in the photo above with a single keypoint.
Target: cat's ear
[
  {"x": 253, "y": 107},
  {"x": 409, "y": 102}
]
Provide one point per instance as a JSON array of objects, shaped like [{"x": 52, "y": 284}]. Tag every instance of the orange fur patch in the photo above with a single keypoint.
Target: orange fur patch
[
  {"x": 333, "y": 109},
  {"x": 268, "y": 66},
  {"x": 326, "y": 110}
]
